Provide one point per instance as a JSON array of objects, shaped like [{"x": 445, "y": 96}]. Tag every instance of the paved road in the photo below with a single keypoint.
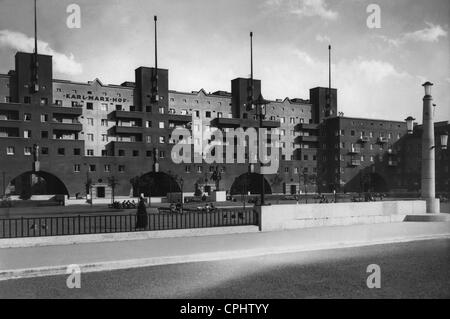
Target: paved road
[{"x": 408, "y": 270}]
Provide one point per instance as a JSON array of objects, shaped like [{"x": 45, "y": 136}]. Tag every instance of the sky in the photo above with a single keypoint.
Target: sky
[{"x": 205, "y": 44}]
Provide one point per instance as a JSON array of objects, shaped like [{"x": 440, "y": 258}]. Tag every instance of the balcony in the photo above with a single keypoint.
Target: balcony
[
  {"x": 75, "y": 111},
  {"x": 364, "y": 139},
  {"x": 124, "y": 115},
  {"x": 125, "y": 130},
  {"x": 60, "y": 126},
  {"x": 306, "y": 127},
  {"x": 382, "y": 140},
  {"x": 223, "y": 122},
  {"x": 306, "y": 139},
  {"x": 178, "y": 118},
  {"x": 354, "y": 163},
  {"x": 354, "y": 150}
]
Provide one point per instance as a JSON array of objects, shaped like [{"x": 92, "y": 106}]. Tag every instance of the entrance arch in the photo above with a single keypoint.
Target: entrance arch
[
  {"x": 155, "y": 184},
  {"x": 249, "y": 182},
  {"x": 36, "y": 183},
  {"x": 374, "y": 182}
]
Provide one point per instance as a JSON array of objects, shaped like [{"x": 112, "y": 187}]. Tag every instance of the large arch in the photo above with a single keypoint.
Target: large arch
[
  {"x": 374, "y": 182},
  {"x": 249, "y": 182},
  {"x": 155, "y": 184},
  {"x": 36, "y": 183}
]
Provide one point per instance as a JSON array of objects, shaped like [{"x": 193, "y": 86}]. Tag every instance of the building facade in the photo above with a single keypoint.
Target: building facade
[{"x": 92, "y": 137}]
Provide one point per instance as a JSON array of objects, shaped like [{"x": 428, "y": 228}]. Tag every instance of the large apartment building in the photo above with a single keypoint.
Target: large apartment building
[{"x": 86, "y": 133}]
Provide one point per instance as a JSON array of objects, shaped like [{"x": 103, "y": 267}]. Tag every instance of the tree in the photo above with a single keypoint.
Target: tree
[{"x": 113, "y": 182}]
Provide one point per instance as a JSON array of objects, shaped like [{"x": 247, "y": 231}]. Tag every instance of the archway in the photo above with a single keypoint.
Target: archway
[
  {"x": 250, "y": 182},
  {"x": 36, "y": 183},
  {"x": 155, "y": 184},
  {"x": 374, "y": 182}
]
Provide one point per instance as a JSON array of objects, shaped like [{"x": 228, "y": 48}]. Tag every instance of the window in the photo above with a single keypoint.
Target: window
[
  {"x": 352, "y": 133},
  {"x": 44, "y": 118},
  {"x": 58, "y": 90},
  {"x": 44, "y": 134},
  {"x": 27, "y": 117},
  {"x": 26, "y": 134},
  {"x": 292, "y": 120},
  {"x": 121, "y": 168},
  {"x": 282, "y": 120},
  {"x": 286, "y": 169},
  {"x": 89, "y": 106},
  {"x": 27, "y": 100},
  {"x": 161, "y": 124},
  {"x": 92, "y": 168},
  {"x": 27, "y": 151},
  {"x": 10, "y": 150},
  {"x": 90, "y": 137},
  {"x": 148, "y": 124},
  {"x": 76, "y": 168},
  {"x": 197, "y": 113},
  {"x": 305, "y": 157},
  {"x": 90, "y": 121},
  {"x": 104, "y": 122},
  {"x": 162, "y": 140},
  {"x": 161, "y": 110},
  {"x": 149, "y": 139},
  {"x": 119, "y": 107},
  {"x": 107, "y": 168},
  {"x": 208, "y": 114},
  {"x": 149, "y": 153},
  {"x": 219, "y": 114},
  {"x": 7, "y": 99},
  {"x": 187, "y": 169},
  {"x": 121, "y": 153},
  {"x": 135, "y": 153},
  {"x": 90, "y": 152},
  {"x": 162, "y": 154},
  {"x": 44, "y": 101},
  {"x": 199, "y": 169},
  {"x": 104, "y": 107},
  {"x": 76, "y": 151},
  {"x": 61, "y": 151},
  {"x": 104, "y": 153}
]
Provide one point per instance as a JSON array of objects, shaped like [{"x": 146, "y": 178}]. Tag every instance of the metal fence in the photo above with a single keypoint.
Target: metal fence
[{"x": 99, "y": 224}]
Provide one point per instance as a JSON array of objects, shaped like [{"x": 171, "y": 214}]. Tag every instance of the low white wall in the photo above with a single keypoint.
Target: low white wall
[{"x": 282, "y": 217}]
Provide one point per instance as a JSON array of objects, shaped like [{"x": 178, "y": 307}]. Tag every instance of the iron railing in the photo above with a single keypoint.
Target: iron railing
[{"x": 99, "y": 224}]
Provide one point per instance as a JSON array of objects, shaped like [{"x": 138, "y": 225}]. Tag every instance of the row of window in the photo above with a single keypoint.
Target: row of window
[
  {"x": 11, "y": 150},
  {"x": 371, "y": 134},
  {"x": 93, "y": 168}
]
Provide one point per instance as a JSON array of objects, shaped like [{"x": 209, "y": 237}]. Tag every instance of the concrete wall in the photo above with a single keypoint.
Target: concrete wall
[{"x": 282, "y": 217}]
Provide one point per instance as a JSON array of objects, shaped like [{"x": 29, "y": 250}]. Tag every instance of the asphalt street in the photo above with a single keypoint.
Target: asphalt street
[{"x": 408, "y": 270}]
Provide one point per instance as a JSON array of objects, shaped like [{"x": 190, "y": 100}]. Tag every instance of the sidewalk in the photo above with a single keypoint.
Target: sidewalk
[{"x": 53, "y": 260}]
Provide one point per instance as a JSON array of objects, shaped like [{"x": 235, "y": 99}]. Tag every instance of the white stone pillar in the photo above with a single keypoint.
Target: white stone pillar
[{"x": 428, "y": 156}]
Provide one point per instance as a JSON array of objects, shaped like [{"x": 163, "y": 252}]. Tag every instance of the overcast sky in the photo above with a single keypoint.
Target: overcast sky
[{"x": 205, "y": 44}]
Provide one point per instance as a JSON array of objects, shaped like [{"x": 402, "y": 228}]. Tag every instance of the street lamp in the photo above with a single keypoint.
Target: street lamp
[
  {"x": 428, "y": 152},
  {"x": 427, "y": 86},
  {"x": 182, "y": 192},
  {"x": 410, "y": 124},
  {"x": 261, "y": 110}
]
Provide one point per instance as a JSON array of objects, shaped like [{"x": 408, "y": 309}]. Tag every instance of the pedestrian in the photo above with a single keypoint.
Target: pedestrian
[{"x": 142, "y": 218}]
